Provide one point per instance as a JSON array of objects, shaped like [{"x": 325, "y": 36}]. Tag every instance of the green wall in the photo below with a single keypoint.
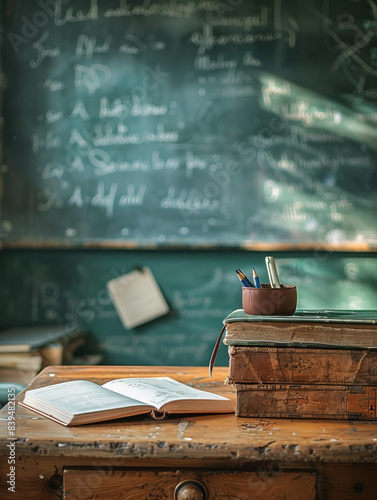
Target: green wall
[{"x": 201, "y": 287}]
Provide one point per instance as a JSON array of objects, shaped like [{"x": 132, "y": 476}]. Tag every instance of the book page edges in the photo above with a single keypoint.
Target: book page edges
[
  {"x": 187, "y": 406},
  {"x": 301, "y": 335},
  {"x": 155, "y": 414},
  {"x": 94, "y": 417}
]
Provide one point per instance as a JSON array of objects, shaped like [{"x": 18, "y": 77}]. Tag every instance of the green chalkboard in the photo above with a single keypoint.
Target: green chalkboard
[
  {"x": 210, "y": 123},
  {"x": 201, "y": 288}
]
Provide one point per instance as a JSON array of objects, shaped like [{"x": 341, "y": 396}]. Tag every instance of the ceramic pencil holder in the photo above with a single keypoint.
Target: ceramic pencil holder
[{"x": 266, "y": 301}]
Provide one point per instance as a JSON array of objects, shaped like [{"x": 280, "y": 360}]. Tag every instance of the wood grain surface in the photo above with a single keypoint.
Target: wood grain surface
[{"x": 44, "y": 449}]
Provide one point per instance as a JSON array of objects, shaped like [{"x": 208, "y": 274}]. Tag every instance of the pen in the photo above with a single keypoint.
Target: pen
[
  {"x": 256, "y": 279},
  {"x": 272, "y": 272},
  {"x": 243, "y": 278}
]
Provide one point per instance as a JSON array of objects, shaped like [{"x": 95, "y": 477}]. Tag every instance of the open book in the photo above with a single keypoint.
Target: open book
[{"x": 82, "y": 402}]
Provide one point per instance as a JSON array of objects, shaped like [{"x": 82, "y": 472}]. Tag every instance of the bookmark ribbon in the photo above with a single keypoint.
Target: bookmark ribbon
[{"x": 214, "y": 352}]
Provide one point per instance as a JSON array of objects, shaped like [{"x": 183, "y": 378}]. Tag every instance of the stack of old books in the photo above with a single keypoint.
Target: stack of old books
[
  {"x": 24, "y": 351},
  {"x": 313, "y": 364}
]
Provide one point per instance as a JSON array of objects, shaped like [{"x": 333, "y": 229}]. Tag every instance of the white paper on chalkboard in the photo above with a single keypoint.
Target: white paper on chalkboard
[{"x": 137, "y": 297}]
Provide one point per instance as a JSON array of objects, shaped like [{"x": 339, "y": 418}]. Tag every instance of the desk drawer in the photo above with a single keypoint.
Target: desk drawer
[{"x": 102, "y": 484}]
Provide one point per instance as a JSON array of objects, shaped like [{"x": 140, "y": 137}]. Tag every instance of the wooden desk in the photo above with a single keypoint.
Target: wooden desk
[{"x": 140, "y": 458}]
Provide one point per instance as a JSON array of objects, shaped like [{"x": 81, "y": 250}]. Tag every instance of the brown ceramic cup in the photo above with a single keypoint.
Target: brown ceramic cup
[{"x": 267, "y": 301}]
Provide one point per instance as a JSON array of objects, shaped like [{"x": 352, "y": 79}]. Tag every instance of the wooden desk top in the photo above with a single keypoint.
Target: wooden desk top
[{"x": 191, "y": 438}]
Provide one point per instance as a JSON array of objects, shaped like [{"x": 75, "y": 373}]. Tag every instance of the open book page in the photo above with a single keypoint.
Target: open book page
[
  {"x": 160, "y": 391},
  {"x": 78, "y": 397}
]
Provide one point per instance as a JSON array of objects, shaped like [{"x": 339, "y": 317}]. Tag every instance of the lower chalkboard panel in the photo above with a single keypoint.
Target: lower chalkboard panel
[{"x": 201, "y": 287}]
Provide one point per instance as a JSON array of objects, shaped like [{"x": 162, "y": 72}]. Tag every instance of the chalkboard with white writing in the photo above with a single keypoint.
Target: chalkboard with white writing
[{"x": 218, "y": 123}]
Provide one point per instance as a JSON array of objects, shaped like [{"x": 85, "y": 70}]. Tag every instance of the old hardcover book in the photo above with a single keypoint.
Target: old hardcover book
[
  {"x": 297, "y": 365},
  {"x": 20, "y": 367},
  {"x": 336, "y": 329},
  {"x": 28, "y": 338},
  {"x": 82, "y": 402},
  {"x": 306, "y": 401}
]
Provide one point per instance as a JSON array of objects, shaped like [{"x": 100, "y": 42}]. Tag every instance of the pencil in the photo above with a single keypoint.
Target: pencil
[
  {"x": 256, "y": 279},
  {"x": 243, "y": 279}
]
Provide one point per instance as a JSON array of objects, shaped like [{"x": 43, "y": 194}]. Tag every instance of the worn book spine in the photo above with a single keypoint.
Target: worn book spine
[
  {"x": 291, "y": 365},
  {"x": 307, "y": 401},
  {"x": 301, "y": 334}
]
